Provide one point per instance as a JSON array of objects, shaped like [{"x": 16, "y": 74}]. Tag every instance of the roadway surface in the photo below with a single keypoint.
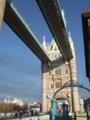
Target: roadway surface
[{"x": 42, "y": 117}]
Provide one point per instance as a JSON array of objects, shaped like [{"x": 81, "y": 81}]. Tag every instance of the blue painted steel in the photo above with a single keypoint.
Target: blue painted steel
[
  {"x": 62, "y": 115},
  {"x": 53, "y": 109}
]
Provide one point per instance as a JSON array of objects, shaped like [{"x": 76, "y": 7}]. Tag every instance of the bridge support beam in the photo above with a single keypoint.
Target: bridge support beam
[{"x": 2, "y": 9}]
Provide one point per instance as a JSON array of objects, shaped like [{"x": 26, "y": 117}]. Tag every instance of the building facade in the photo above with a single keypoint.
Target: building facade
[
  {"x": 55, "y": 75},
  {"x": 15, "y": 100}
]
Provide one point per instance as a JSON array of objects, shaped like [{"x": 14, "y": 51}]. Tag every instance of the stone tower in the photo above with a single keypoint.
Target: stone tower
[
  {"x": 2, "y": 9},
  {"x": 55, "y": 75}
]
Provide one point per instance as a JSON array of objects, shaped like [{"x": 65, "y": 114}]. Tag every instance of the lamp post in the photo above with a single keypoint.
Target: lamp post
[{"x": 71, "y": 79}]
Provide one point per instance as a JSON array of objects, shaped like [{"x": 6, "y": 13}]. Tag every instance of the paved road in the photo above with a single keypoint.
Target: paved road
[{"x": 43, "y": 117}]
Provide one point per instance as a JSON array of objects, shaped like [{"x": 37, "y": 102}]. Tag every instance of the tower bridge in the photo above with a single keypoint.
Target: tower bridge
[
  {"x": 51, "y": 78},
  {"x": 56, "y": 24}
]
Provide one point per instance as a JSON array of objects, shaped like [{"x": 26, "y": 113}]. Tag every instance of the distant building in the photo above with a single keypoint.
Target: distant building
[
  {"x": 17, "y": 101},
  {"x": 56, "y": 75}
]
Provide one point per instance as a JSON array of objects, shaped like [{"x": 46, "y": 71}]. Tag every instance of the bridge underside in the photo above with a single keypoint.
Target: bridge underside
[
  {"x": 52, "y": 14},
  {"x": 86, "y": 33},
  {"x": 17, "y": 24}
]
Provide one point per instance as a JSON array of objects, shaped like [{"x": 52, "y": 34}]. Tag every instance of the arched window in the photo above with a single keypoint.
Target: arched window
[
  {"x": 55, "y": 49},
  {"x": 58, "y": 71},
  {"x": 58, "y": 84},
  {"x": 52, "y": 85}
]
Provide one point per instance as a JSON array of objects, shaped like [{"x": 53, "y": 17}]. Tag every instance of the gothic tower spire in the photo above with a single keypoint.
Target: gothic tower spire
[{"x": 44, "y": 43}]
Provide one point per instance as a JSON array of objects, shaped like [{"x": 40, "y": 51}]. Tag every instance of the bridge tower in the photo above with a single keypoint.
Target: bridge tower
[
  {"x": 2, "y": 9},
  {"x": 56, "y": 74}
]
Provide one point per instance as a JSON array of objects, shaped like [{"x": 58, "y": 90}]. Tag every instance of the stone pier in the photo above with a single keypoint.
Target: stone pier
[{"x": 2, "y": 9}]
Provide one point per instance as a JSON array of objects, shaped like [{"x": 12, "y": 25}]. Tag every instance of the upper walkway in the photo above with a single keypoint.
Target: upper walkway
[
  {"x": 55, "y": 20},
  {"x": 53, "y": 16},
  {"x": 18, "y": 25}
]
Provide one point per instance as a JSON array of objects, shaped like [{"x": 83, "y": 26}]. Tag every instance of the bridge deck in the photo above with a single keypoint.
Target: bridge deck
[
  {"x": 52, "y": 14},
  {"x": 17, "y": 24}
]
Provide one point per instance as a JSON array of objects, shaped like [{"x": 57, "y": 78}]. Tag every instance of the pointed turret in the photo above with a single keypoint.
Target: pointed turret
[
  {"x": 44, "y": 43},
  {"x": 71, "y": 44},
  {"x": 64, "y": 19}
]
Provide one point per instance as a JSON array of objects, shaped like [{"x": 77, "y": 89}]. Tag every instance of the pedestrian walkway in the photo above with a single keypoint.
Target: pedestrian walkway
[{"x": 42, "y": 117}]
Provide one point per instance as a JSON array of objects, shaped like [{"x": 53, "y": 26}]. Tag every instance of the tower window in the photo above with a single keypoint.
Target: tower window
[
  {"x": 55, "y": 55},
  {"x": 51, "y": 47},
  {"x": 58, "y": 84},
  {"x": 55, "y": 48},
  {"x": 66, "y": 71},
  {"x": 58, "y": 71},
  {"x": 52, "y": 85}
]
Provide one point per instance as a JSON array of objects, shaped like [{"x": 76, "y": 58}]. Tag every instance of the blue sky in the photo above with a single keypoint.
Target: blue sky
[{"x": 20, "y": 69}]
